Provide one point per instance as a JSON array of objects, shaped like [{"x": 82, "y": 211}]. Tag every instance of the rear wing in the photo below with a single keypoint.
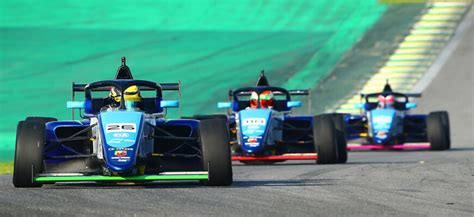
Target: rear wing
[
  {"x": 302, "y": 92},
  {"x": 164, "y": 87},
  {"x": 297, "y": 92},
  {"x": 306, "y": 92},
  {"x": 410, "y": 95}
]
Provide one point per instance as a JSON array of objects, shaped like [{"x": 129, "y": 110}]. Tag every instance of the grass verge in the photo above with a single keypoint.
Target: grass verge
[{"x": 6, "y": 168}]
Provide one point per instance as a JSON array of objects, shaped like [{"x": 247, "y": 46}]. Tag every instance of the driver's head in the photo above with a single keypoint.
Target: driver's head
[
  {"x": 254, "y": 100},
  {"x": 386, "y": 101},
  {"x": 132, "y": 97},
  {"x": 389, "y": 100},
  {"x": 114, "y": 95},
  {"x": 266, "y": 99}
]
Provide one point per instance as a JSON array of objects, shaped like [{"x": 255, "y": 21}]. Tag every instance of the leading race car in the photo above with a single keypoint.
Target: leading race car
[
  {"x": 387, "y": 124},
  {"x": 263, "y": 131},
  {"x": 121, "y": 137}
]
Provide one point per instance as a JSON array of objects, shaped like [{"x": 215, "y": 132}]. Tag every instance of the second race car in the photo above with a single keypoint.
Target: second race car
[{"x": 263, "y": 130}]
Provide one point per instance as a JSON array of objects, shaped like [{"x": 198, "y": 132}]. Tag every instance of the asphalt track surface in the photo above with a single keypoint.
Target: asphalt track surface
[{"x": 394, "y": 183}]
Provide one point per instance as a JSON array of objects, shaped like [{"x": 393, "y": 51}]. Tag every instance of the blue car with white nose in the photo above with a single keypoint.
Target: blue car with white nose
[
  {"x": 386, "y": 123},
  {"x": 121, "y": 138},
  {"x": 264, "y": 131}
]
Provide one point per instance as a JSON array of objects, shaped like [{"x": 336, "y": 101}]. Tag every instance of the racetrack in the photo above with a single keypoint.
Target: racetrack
[{"x": 400, "y": 183}]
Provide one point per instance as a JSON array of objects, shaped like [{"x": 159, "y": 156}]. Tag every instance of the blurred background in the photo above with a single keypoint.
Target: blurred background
[{"x": 333, "y": 47}]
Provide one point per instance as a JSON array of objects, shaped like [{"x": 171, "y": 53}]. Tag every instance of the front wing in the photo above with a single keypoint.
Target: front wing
[
  {"x": 406, "y": 146},
  {"x": 165, "y": 176}
]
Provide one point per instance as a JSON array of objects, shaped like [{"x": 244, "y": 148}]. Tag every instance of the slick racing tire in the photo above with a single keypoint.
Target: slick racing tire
[
  {"x": 28, "y": 154},
  {"x": 340, "y": 126},
  {"x": 445, "y": 119},
  {"x": 215, "y": 148},
  {"x": 438, "y": 130},
  {"x": 42, "y": 120},
  {"x": 325, "y": 139}
]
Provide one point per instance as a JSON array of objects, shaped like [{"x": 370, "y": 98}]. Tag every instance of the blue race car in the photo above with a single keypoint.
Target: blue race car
[
  {"x": 263, "y": 131},
  {"x": 122, "y": 138},
  {"x": 387, "y": 124}
]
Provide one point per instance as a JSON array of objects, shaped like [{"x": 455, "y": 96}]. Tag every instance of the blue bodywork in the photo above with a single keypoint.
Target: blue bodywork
[
  {"x": 265, "y": 131},
  {"x": 121, "y": 131},
  {"x": 382, "y": 122},
  {"x": 387, "y": 125},
  {"x": 121, "y": 137}
]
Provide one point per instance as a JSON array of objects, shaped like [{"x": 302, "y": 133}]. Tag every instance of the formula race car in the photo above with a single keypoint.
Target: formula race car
[
  {"x": 263, "y": 131},
  {"x": 122, "y": 137},
  {"x": 387, "y": 124}
]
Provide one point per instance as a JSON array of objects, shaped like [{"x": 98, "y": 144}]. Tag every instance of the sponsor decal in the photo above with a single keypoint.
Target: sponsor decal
[
  {"x": 252, "y": 144},
  {"x": 253, "y": 127},
  {"x": 120, "y": 153},
  {"x": 121, "y": 159},
  {"x": 119, "y": 149},
  {"x": 382, "y": 119},
  {"x": 381, "y": 134},
  {"x": 121, "y": 135},
  {"x": 120, "y": 140},
  {"x": 252, "y": 140},
  {"x": 253, "y": 132}
]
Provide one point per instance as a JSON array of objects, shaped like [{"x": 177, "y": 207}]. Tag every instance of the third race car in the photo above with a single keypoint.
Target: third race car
[{"x": 386, "y": 123}]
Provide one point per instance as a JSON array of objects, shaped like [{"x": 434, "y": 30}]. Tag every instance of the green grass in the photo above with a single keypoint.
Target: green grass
[
  {"x": 6, "y": 168},
  {"x": 210, "y": 46}
]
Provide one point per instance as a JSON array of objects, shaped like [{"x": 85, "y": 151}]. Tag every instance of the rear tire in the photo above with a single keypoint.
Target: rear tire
[
  {"x": 28, "y": 154},
  {"x": 216, "y": 151},
  {"x": 325, "y": 139},
  {"x": 438, "y": 130},
  {"x": 445, "y": 119},
  {"x": 340, "y": 126},
  {"x": 42, "y": 120}
]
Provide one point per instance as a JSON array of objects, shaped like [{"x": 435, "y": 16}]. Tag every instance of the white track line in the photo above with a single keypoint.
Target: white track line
[{"x": 446, "y": 53}]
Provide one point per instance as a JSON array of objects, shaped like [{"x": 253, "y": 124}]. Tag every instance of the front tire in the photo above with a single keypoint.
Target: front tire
[
  {"x": 325, "y": 139},
  {"x": 28, "y": 154},
  {"x": 215, "y": 148},
  {"x": 438, "y": 130}
]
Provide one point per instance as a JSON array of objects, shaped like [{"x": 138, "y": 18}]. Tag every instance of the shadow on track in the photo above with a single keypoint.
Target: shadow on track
[
  {"x": 192, "y": 185},
  {"x": 412, "y": 150},
  {"x": 286, "y": 163},
  {"x": 382, "y": 162}
]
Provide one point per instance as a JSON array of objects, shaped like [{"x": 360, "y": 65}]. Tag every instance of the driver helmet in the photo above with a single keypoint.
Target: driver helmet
[
  {"x": 386, "y": 102},
  {"x": 132, "y": 97},
  {"x": 114, "y": 95},
  {"x": 254, "y": 100},
  {"x": 266, "y": 99}
]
